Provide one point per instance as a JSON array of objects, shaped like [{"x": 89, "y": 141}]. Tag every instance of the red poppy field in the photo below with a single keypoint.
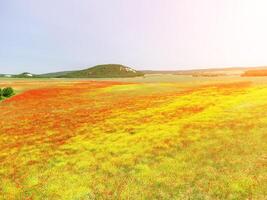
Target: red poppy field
[{"x": 81, "y": 139}]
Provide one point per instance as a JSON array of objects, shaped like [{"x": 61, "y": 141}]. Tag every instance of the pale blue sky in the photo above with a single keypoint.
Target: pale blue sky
[{"x": 53, "y": 35}]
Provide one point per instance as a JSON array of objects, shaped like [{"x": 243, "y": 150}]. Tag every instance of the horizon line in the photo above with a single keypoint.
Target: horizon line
[{"x": 161, "y": 70}]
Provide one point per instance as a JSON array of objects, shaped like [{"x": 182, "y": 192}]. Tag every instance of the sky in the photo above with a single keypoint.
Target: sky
[{"x": 42, "y": 36}]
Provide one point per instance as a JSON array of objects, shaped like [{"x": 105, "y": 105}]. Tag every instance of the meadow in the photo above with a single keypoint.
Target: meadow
[{"x": 159, "y": 137}]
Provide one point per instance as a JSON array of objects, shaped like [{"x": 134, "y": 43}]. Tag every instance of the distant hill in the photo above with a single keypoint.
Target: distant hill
[
  {"x": 25, "y": 75},
  {"x": 99, "y": 71},
  {"x": 120, "y": 71},
  {"x": 103, "y": 71},
  {"x": 211, "y": 72}
]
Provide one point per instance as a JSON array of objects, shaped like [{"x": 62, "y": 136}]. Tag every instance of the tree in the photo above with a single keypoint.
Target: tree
[{"x": 7, "y": 92}]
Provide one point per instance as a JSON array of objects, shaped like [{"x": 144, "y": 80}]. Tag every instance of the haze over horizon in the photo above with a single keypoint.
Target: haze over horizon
[{"x": 49, "y": 36}]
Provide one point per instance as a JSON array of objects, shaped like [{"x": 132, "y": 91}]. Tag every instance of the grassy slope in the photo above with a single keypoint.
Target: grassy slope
[
  {"x": 102, "y": 71},
  {"x": 137, "y": 141}
]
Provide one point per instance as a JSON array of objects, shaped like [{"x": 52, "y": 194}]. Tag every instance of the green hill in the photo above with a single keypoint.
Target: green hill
[{"x": 103, "y": 71}]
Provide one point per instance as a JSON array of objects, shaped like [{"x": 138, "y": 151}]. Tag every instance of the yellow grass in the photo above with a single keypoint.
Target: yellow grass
[{"x": 198, "y": 138}]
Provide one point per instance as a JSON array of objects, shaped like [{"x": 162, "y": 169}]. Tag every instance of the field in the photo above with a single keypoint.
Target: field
[{"x": 160, "y": 137}]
